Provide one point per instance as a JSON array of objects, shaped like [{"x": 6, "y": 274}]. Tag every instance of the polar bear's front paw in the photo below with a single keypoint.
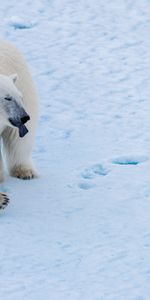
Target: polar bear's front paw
[
  {"x": 23, "y": 172},
  {"x": 4, "y": 200}
]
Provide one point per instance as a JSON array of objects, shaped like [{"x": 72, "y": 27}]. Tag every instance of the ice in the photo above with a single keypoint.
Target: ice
[{"x": 81, "y": 231}]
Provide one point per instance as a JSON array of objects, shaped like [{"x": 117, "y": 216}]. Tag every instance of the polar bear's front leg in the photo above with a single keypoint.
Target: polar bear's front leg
[{"x": 18, "y": 153}]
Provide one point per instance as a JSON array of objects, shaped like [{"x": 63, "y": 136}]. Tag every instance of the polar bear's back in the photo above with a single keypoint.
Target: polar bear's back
[{"x": 11, "y": 59}]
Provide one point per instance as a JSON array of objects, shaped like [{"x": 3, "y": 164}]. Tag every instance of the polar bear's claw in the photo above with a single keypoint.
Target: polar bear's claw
[{"x": 4, "y": 200}]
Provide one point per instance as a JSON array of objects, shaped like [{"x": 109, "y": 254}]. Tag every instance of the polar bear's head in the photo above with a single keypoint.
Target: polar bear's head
[{"x": 12, "y": 112}]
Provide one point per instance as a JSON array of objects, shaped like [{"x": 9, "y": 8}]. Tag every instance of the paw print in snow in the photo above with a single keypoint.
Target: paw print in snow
[{"x": 95, "y": 170}]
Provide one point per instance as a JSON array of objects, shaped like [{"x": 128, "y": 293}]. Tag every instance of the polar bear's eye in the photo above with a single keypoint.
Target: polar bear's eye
[{"x": 8, "y": 98}]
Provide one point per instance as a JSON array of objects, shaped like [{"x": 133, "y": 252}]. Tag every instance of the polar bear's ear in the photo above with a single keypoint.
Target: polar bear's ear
[{"x": 14, "y": 77}]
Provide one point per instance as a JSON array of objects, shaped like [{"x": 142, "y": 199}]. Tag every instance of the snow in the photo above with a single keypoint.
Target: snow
[{"x": 82, "y": 230}]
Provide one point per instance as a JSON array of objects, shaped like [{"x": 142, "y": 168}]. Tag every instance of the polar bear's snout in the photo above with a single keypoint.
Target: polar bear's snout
[{"x": 19, "y": 122}]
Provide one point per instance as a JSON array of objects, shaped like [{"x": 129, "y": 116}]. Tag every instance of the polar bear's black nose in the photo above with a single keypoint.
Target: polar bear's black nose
[{"x": 25, "y": 119}]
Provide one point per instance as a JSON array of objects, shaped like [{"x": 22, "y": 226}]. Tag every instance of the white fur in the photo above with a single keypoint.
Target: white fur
[{"x": 18, "y": 151}]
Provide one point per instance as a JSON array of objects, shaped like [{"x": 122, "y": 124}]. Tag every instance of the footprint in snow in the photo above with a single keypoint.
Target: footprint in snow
[
  {"x": 93, "y": 171},
  {"x": 86, "y": 185},
  {"x": 129, "y": 160},
  {"x": 100, "y": 170}
]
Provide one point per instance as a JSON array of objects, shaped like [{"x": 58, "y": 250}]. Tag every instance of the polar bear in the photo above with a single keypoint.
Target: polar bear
[{"x": 18, "y": 115}]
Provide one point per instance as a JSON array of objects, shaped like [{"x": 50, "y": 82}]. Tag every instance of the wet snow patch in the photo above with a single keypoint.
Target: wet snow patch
[
  {"x": 129, "y": 160},
  {"x": 20, "y": 23}
]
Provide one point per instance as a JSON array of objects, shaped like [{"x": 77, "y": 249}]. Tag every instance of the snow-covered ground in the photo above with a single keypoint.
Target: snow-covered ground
[{"x": 82, "y": 230}]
